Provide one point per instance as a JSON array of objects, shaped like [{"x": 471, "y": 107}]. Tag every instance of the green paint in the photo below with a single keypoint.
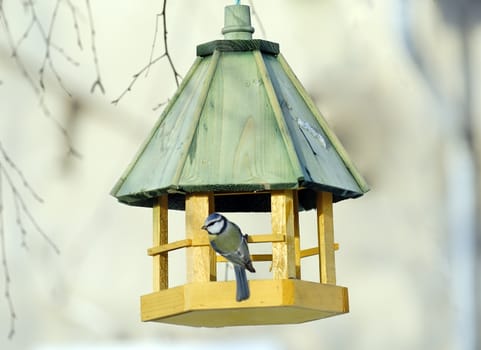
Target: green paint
[{"x": 240, "y": 121}]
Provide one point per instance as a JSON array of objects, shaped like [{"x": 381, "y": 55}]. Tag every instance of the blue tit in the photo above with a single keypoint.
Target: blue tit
[{"x": 227, "y": 239}]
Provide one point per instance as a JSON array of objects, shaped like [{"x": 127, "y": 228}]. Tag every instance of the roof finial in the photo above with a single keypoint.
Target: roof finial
[{"x": 237, "y": 22}]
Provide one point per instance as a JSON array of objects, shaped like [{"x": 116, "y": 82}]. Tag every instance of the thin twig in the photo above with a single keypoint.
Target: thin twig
[
  {"x": 161, "y": 104},
  {"x": 6, "y": 272},
  {"x": 75, "y": 24},
  {"x": 98, "y": 80},
  {"x": 13, "y": 47},
  {"x": 152, "y": 60},
  {"x": 19, "y": 173},
  {"x": 67, "y": 57},
  {"x": 20, "y": 206},
  {"x": 21, "y": 66},
  {"x": 71, "y": 150},
  {"x": 135, "y": 77},
  {"x": 153, "y": 42},
  {"x": 166, "y": 48},
  {"x": 47, "y": 37},
  {"x": 24, "y": 35},
  {"x": 19, "y": 221},
  {"x": 26, "y": 211}
]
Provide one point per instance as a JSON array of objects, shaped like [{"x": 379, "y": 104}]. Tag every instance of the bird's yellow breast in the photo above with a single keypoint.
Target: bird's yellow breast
[{"x": 226, "y": 242}]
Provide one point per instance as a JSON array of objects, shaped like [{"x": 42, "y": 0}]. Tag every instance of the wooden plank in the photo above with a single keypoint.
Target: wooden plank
[
  {"x": 126, "y": 185},
  {"x": 240, "y": 134},
  {"x": 282, "y": 217},
  {"x": 160, "y": 236},
  {"x": 255, "y": 257},
  {"x": 323, "y": 123},
  {"x": 266, "y": 238},
  {"x": 204, "y": 241},
  {"x": 257, "y": 238},
  {"x": 171, "y": 302},
  {"x": 201, "y": 261},
  {"x": 271, "y": 302},
  {"x": 297, "y": 237},
  {"x": 321, "y": 164},
  {"x": 314, "y": 251},
  {"x": 237, "y": 45},
  {"x": 309, "y": 252},
  {"x": 325, "y": 228},
  {"x": 164, "y": 248},
  {"x": 277, "y": 110},
  {"x": 197, "y": 112}
]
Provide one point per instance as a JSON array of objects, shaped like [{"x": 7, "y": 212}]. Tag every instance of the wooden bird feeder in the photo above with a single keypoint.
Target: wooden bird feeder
[{"x": 241, "y": 135}]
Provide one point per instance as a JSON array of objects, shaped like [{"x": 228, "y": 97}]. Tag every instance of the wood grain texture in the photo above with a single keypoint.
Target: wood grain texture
[
  {"x": 255, "y": 257},
  {"x": 238, "y": 45},
  {"x": 271, "y": 302},
  {"x": 135, "y": 175},
  {"x": 309, "y": 252},
  {"x": 325, "y": 227},
  {"x": 201, "y": 261},
  {"x": 297, "y": 235},
  {"x": 282, "y": 220},
  {"x": 160, "y": 236},
  {"x": 204, "y": 241},
  {"x": 320, "y": 162},
  {"x": 240, "y": 122},
  {"x": 237, "y": 145},
  {"x": 164, "y": 248},
  {"x": 274, "y": 103},
  {"x": 314, "y": 111}
]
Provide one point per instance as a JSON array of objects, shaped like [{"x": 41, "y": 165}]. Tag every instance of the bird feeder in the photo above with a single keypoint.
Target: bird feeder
[{"x": 241, "y": 134}]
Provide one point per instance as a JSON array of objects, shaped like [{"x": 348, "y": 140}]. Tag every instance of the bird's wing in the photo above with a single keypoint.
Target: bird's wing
[{"x": 240, "y": 256}]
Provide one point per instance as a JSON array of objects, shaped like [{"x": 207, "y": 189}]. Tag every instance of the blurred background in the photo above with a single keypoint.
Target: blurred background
[{"x": 399, "y": 83}]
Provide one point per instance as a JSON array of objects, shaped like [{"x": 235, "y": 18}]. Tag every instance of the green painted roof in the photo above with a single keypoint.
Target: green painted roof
[{"x": 240, "y": 121}]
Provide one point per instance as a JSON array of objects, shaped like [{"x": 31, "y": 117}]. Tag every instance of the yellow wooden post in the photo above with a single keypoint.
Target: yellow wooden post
[
  {"x": 325, "y": 229},
  {"x": 160, "y": 236},
  {"x": 297, "y": 237},
  {"x": 201, "y": 260},
  {"x": 283, "y": 222}
]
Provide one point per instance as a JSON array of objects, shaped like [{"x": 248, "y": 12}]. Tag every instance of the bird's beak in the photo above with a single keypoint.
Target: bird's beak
[{"x": 203, "y": 227}]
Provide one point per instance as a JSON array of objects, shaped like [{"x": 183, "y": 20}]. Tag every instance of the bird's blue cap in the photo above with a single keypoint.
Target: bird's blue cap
[{"x": 212, "y": 217}]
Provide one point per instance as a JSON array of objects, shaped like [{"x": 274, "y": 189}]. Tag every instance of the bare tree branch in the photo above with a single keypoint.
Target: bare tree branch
[
  {"x": 166, "y": 48},
  {"x": 135, "y": 77},
  {"x": 98, "y": 80},
  {"x": 19, "y": 221},
  {"x": 20, "y": 202},
  {"x": 161, "y": 104},
  {"x": 47, "y": 37},
  {"x": 67, "y": 57},
  {"x": 14, "y": 167},
  {"x": 75, "y": 24},
  {"x": 13, "y": 47},
  {"x": 6, "y": 271},
  {"x": 20, "y": 207},
  {"x": 152, "y": 50},
  {"x": 39, "y": 89},
  {"x": 152, "y": 60},
  {"x": 10, "y": 174}
]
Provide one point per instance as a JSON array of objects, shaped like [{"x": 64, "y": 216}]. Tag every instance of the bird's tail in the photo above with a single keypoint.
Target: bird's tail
[{"x": 242, "y": 284}]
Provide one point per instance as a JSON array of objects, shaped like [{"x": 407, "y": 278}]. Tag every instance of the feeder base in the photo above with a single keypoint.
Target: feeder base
[{"x": 213, "y": 304}]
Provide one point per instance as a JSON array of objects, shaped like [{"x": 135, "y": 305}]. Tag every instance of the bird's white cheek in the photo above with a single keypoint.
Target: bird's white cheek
[{"x": 216, "y": 228}]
